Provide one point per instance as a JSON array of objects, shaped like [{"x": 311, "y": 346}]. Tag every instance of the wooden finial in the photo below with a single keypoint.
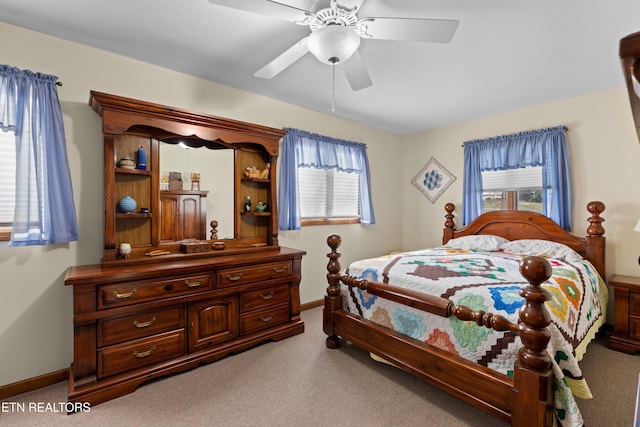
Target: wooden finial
[{"x": 595, "y": 222}]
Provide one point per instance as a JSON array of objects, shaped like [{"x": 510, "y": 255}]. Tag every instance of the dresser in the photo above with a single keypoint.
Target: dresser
[
  {"x": 626, "y": 326},
  {"x": 183, "y": 215},
  {"x": 133, "y": 323},
  {"x": 164, "y": 298}
]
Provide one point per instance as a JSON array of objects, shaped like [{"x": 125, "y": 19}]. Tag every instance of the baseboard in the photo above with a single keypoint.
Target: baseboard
[
  {"x": 45, "y": 380},
  {"x": 34, "y": 383},
  {"x": 312, "y": 304}
]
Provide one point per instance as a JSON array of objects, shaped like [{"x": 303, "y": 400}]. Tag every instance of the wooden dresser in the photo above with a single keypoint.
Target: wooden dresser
[
  {"x": 133, "y": 323},
  {"x": 166, "y": 299},
  {"x": 626, "y": 327}
]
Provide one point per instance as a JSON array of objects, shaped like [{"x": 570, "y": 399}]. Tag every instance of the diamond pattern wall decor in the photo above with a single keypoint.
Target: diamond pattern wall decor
[{"x": 433, "y": 179}]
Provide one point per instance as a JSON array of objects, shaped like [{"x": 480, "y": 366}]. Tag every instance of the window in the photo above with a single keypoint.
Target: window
[
  {"x": 543, "y": 149},
  {"x": 44, "y": 211},
  {"x": 327, "y": 195},
  {"x": 7, "y": 183},
  {"x": 323, "y": 180},
  {"x": 515, "y": 189}
]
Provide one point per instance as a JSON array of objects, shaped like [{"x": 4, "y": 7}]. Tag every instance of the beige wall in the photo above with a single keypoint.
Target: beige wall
[
  {"x": 604, "y": 151},
  {"x": 35, "y": 307}
]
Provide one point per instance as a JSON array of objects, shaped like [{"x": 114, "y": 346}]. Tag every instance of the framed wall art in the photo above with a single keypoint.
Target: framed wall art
[{"x": 433, "y": 179}]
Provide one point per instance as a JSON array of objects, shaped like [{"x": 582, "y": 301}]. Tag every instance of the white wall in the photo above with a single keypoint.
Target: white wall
[{"x": 35, "y": 307}]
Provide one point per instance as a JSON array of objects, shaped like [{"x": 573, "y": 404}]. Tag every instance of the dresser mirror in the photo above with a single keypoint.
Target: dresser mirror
[
  {"x": 196, "y": 169},
  {"x": 206, "y": 168}
]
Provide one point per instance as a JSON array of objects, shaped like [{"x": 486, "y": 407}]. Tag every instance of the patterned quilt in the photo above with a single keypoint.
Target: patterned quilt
[{"x": 489, "y": 281}]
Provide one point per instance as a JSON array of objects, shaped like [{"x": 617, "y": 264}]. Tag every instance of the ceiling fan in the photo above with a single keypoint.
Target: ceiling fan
[{"x": 336, "y": 32}]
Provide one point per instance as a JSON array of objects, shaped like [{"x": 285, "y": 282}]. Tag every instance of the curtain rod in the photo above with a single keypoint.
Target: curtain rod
[
  {"x": 563, "y": 127},
  {"x": 58, "y": 83}
]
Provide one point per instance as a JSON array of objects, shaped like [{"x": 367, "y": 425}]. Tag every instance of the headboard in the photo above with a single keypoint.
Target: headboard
[{"x": 514, "y": 225}]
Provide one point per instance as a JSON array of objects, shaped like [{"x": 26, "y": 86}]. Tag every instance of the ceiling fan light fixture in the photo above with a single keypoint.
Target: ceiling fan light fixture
[{"x": 333, "y": 44}]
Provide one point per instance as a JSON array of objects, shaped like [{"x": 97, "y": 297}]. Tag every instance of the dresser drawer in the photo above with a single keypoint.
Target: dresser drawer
[
  {"x": 135, "y": 354},
  {"x": 264, "y": 297},
  {"x": 634, "y": 303},
  {"x": 262, "y": 319},
  {"x": 139, "y": 325},
  {"x": 241, "y": 275},
  {"x": 634, "y": 327},
  {"x": 146, "y": 290}
]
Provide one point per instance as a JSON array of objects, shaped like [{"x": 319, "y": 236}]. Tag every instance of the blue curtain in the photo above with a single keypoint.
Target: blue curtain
[
  {"x": 545, "y": 147},
  {"x": 29, "y": 107},
  {"x": 301, "y": 148}
]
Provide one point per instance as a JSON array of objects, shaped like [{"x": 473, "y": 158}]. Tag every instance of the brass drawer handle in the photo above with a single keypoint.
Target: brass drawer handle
[
  {"x": 125, "y": 295},
  {"x": 266, "y": 319},
  {"x": 267, "y": 296},
  {"x": 234, "y": 278},
  {"x": 279, "y": 269},
  {"x": 193, "y": 284},
  {"x": 144, "y": 324},
  {"x": 141, "y": 354}
]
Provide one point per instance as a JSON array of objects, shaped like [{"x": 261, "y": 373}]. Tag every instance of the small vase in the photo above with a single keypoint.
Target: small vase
[
  {"x": 127, "y": 204},
  {"x": 124, "y": 250},
  {"x": 142, "y": 159}
]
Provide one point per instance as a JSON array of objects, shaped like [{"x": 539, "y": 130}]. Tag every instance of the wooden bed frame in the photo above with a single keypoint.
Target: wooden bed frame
[{"x": 524, "y": 400}]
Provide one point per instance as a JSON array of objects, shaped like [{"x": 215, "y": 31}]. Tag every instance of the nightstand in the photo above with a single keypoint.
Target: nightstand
[{"x": 626, "y": 326}]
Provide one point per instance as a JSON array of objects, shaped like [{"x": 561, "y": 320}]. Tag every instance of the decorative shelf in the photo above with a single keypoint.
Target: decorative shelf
[
  {"x": 133, "y": 215},
  {"x": 266, "y": 180},
  {"x": 256, "y": 213},
  {"x": 133, "y": 171}
]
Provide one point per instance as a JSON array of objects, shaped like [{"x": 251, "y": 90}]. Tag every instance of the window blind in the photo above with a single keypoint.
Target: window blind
[
  {"x": 7, "y": 177},
  {"x": 328, "y": 193},
  {"x": 512, "y": 179}
]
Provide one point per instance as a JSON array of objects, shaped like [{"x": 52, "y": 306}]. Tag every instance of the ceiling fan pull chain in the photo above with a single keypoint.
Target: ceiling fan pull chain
[
  {"x": 333, "y": 61},
  {"x": 333, "y": 88}
]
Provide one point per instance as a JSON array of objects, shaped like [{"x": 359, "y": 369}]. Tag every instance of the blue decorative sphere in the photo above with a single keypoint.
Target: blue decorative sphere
[{"x": 127, "y": 204}]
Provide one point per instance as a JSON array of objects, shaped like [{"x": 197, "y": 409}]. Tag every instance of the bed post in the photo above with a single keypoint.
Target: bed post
[
  {"x": 449, "y": 225},
  {"x": 532, "y": 380},
  {"x": 333, "y": 299},
  {"x": 595, "y": 237}
]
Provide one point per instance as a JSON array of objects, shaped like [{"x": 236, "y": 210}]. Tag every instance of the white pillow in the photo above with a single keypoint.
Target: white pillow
[
  {"x": 545, "y": 248},
  {"x": 479, "y": 242}
]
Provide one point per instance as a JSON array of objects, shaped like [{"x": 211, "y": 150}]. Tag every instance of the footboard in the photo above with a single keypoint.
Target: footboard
[{"x": 524, "y": 400}]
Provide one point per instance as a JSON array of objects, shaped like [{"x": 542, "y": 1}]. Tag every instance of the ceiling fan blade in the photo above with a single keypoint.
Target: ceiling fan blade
[
  {"x": 285, "y": 59},
  {"x": 269, "y": 8},
  {"x": 309, "y": 5},
  {"x": 411, "y": 29},
  {"x": 356, "y": 72},
  {"x": 350, "y": 4}
]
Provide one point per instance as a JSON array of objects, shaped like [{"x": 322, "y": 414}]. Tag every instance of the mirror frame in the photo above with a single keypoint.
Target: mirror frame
[{"x": 249, "y": 141}]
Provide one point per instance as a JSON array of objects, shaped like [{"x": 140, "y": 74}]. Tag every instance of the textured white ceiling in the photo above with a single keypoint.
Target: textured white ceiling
[{"x": 506, "y": 54}]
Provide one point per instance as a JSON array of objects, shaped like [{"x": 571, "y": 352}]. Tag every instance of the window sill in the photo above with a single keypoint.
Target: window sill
[
  {"x": 328, "y": 221},
  {"x": 5, "y": 234}
]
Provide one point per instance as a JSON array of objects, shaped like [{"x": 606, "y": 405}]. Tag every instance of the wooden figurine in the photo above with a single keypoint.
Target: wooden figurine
[{"x": 264, "y": 173}]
